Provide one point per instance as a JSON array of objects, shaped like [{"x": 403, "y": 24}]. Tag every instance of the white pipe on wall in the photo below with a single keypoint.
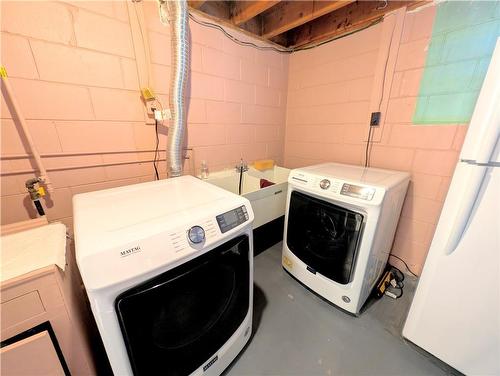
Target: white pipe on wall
[
  {"x": 75, "y": 153},
  {"x": 77, "y": 167},
  {"x": 17, "y": 112}
]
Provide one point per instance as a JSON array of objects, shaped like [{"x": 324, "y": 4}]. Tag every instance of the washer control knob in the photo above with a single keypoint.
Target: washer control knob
[
  {"x": 196, "y": 235},
  {"x": 324, "y": 184}
]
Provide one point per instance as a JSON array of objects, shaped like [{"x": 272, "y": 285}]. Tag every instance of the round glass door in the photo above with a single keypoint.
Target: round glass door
[
  {"x": 174, "y": 322},
  {"x": 324, "y": 236}
]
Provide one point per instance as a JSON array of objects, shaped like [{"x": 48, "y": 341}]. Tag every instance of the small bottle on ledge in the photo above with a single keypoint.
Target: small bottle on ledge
[{"x": 204, "y": 170}]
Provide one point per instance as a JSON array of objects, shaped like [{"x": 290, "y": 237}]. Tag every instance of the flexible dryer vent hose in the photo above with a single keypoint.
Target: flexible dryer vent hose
[{"x": 178, "y": 17}]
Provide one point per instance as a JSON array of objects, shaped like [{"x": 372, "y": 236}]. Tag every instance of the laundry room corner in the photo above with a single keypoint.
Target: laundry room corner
[{"x": 234, "y": 187}]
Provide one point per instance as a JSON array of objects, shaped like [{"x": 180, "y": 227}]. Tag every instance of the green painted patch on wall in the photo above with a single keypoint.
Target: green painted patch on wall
[{"x": 463, "y": 38}]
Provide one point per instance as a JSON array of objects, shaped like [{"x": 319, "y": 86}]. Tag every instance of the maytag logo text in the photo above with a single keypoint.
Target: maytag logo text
[{"x": 130, "y": 251}]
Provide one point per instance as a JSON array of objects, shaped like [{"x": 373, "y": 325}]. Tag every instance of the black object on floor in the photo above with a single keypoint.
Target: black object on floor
[{"x": 267, "y": 235}]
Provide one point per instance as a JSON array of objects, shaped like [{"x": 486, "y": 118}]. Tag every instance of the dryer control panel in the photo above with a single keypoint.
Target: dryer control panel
[{"x": 232, "y": 218}]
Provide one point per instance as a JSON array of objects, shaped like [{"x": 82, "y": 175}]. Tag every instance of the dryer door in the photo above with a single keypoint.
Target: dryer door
[
  {"x": 324, "y": 236},
  {"x": 174, "y": 322}
]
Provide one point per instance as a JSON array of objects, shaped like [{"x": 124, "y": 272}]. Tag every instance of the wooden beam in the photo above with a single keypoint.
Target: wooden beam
[
  {"x": 219, "y": 9},
  {"x": 280, "y": 39},
  {"x": 344, "y": 20},
  {"x": 291, "y": 14},
  {"x": 253, "y": 25},
  {"x": 417, "y": 4},
  {"x": 230, "y": 26},
  {"x": 196, "y": 4},
  {"x": 242, "y": 11}
]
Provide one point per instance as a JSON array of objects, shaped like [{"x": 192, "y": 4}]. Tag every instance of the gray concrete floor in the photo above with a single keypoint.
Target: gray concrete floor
[{"x": 298, "y": 333}]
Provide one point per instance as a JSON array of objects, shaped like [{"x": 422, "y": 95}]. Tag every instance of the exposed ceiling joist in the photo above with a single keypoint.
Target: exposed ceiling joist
[
  {"x": 226, "y": 24},
  {"x": 253, "y": 26},
  {"x": 242, "y": 11},
  {"x": 350, "y": 18},
  {"x": 290, "y": 14},
  {"x": 295, "y": 23},
  {"x": 196, "y": 4},
  {"x": 218, "y": 9},
  {"x": 417, "y": 4}
]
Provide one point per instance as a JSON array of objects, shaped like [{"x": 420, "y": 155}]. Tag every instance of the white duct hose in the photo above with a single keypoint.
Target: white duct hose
[{"x": 179, "y": 32}]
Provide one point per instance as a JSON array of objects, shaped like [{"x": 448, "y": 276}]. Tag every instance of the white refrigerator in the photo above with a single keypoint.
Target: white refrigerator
[{"x": 455, "y": 314}]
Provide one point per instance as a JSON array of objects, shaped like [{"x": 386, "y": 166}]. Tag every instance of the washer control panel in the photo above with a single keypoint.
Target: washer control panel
[
  {"x": 351, "y": 190},
  {"x": 196, "y": 235},
  {"x": 324, "y": 184},
  {"x": 232, "y": 218},
  {"x": 329, "y": 186}
]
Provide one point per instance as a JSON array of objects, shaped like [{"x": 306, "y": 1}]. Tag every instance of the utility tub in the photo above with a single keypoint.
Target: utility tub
[{"x": 268, "y": 203}]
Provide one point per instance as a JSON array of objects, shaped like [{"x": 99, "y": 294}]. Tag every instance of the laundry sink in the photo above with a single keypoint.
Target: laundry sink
[{"x": 29, "y": 250}]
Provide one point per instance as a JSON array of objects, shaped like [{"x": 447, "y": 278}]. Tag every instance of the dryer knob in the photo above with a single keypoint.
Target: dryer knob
[
  {"x": 324, "y": 184},
  {"x": 196, "y": 235}
]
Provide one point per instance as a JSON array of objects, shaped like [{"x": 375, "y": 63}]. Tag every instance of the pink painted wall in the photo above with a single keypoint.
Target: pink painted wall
[
  {"x": 329, "y": 103},
  {"x": 73, "y": 68}
]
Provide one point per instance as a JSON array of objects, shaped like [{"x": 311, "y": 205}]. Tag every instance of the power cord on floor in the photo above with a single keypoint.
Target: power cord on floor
[
  {"x": 390, "y": 284},
  {"x": 405, "y": 264},
  {"x": 395, "y": 288}
]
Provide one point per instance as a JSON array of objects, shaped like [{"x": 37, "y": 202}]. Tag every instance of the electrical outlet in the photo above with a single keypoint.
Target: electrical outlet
[
  {"x": 162, "y": 115},
  {"x": 150, "y": 113},
  {"x": 375, "y": 119},
  {"x": 166, "y": 114}
]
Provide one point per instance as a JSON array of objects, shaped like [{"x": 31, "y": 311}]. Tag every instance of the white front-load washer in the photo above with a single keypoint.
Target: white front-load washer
[
  {"x": 168, "y": 269},
  {"x": 339, "y": 228}
]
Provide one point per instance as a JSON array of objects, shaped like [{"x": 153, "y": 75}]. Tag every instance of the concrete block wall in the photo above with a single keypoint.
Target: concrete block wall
[
  {"x": 329, "y": 93},
  {"x": 73, "y": 68},
  {"x": 463, "y": 39},
  {"x": 337, "y": 130}
]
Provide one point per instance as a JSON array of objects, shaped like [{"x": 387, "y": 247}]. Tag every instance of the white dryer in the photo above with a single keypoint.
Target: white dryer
[
  {"x": 168, "y": 269},
  {"x": 339, "y": 228}
]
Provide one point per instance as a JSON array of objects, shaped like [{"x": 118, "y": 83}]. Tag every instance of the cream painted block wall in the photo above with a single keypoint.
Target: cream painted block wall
[{"x": 73, "y": 67}]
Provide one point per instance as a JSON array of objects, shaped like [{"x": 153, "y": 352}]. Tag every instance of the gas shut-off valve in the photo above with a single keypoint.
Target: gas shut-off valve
[{"x": 36, "y": 192}]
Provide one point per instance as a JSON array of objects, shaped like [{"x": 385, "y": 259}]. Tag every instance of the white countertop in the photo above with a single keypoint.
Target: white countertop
[{"x": 26, "y": 251}]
